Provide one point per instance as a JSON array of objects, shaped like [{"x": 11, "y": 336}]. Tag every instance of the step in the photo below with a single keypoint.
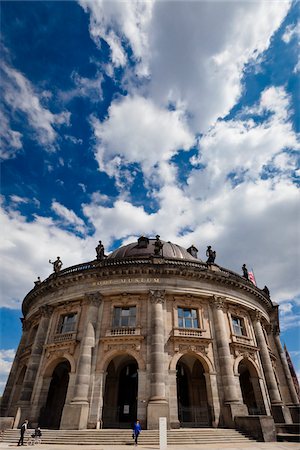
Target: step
[{"x": 121, "y": 436}]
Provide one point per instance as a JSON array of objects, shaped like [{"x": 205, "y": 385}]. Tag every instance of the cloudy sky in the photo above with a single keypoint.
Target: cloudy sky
[{"x": 123, "y": 118}]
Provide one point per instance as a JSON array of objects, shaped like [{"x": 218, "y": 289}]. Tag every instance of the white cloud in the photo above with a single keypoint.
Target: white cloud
[
  {"x": 68, "y": 216},
  {"x": 120, "y": 22},
  {"x": 291, "y": 31},
  {"x": 20, "y": 96},
  {"x": 6, "y": 360},
  {"x": 26, "y": 248},
  {"x": 138, "y": 131},
  {"x": 193, "y": 56},
  {"x": 11, "y": 140},
  {"x": 243, "y": 148},
  {"x": 285, "y": 308}
]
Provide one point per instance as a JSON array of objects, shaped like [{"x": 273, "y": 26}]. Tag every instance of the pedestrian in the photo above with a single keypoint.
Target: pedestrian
[
  {"x": 22, "y": 431},
  {"x": 136, "y": 431}
]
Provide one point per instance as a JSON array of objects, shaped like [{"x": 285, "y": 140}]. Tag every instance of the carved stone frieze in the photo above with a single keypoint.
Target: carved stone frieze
[
  {"x": 245, "y": 350},
  {"x": 59, "y": 348}
]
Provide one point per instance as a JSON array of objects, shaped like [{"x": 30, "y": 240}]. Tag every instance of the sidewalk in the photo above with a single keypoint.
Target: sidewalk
[{"x": 247, "y": 446}]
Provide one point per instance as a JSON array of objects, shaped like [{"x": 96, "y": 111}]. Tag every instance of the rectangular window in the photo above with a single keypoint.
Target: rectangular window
[
  {"x": 187, "y": 318},
  {"x": 238, "y": 326},
  {"x": 124, "y": 317},
  {"x": 67, "y": 323}
]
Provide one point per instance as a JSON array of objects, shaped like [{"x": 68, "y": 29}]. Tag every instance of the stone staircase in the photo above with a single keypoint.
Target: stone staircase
[
  {"x": 288, "y": 432},
  {"x": 182, "y": 436}
]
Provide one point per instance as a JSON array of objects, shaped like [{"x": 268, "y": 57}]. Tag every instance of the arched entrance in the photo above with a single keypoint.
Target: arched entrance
[
  {"x": 193, "y": 408},
  {"x": 51, "y": 414},
  {"x": 120, "y": 396},
  {"x": 251, "y": 392}
]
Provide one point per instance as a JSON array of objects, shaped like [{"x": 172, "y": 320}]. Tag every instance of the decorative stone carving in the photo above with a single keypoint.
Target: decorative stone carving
[
  {"x": 93, "y": 298},
  {"x": 157, "y": 296},
  {"x": 46, "y": 310},
  {"x": 219, "y": 302}
]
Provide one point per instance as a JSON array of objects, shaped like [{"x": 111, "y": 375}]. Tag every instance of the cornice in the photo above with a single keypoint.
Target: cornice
[{"x": 96, "y": 270}]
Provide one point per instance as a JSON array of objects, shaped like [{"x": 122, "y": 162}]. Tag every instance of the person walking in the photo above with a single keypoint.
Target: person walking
[
  {"x": 136, "y": 431},
  {"x": 22, "y": 431}
]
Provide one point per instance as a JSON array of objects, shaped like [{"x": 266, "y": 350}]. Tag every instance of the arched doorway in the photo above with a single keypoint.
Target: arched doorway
[
  {"x": 51, "y": 414},
  {"x": 193, "y": 408},
  {"x": 120, "y": 396},
  {"x": 250, "y": 388}
]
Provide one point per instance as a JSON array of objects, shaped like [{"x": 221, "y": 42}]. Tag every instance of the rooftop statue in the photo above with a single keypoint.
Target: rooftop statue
[
  {"x": 266, "y": 290},
  {"x": 245, "y": 272},
  {"x": 38, "y": 281},
  {"x": 158, "y": 245},
  {"x": 211, "y": 254},
  {"x": 57, "y": 265},
  {"x": 100, "y": 251}
]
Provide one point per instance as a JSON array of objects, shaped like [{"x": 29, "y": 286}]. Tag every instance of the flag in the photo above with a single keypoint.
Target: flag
[
  {"x": 251, "y": 277},
  {"x": 293, "y": 372}
]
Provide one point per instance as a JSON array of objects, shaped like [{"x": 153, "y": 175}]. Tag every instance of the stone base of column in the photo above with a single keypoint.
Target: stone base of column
[
  {"x": 156, "y": 409},
  {"x": 295, "y": 413},
  {"x": 231, "y": 410},
  {"x": 75, "y": 416},
  {"x": 281, "y": 414}
]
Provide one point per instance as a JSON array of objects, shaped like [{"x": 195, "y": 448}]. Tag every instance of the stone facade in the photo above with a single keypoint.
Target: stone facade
[{"x": 147, "y": 333}]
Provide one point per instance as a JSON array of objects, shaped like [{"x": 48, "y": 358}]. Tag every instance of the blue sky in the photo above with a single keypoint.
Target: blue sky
[{"x": 158, "y": 117}]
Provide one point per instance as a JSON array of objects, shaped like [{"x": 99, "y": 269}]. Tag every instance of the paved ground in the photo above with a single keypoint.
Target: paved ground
[{"x": 247, "y": 446}]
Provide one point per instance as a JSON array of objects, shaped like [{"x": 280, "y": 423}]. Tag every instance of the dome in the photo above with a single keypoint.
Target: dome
[{"x": 145, "y": 247}]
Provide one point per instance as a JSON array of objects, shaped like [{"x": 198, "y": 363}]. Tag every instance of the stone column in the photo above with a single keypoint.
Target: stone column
[
  {"x": 233, "y": 405},
  {"x": 12, "y": 379},
  {"x": 279, "y": 412},
  {"x": 157, "y": 406},
  {"x": 174, "y": 422},
  {"x": 75, "y": 415},
  {"x": 34, "y": 361},
  {"x": 291, "y": 386}
]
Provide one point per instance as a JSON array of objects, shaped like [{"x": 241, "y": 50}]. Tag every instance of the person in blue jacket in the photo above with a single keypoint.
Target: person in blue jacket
[{"x": 136, "y": 431}]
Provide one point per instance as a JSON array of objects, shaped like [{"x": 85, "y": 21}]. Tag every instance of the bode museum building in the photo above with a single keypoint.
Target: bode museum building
[{"x": 149, "y": 331}]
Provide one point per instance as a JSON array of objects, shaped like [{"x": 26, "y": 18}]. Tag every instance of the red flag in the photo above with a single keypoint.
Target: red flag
[{"x": 251, "y": 277}]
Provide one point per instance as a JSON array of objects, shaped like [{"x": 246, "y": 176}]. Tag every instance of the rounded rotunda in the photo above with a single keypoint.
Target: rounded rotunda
[{"x": 148, "y": 331}]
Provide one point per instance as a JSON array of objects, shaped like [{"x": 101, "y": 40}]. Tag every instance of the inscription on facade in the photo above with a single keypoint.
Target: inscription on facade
[{"x": 126, "y": 281}]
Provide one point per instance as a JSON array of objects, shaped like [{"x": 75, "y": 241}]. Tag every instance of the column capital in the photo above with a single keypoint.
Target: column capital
[
  {"x": 92, "y": 298},
  {"x": 256, "y": 315},
  {"x": 46, "y": 310},
  {"x": 26, "y": 324},
  {"x": 157, "y": 296},
  {"x": 275, "y": 329},
  {"x": 219, "y": 302}
]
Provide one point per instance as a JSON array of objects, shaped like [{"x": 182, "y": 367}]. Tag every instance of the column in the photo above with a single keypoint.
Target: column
[
  {"x": 12, "y": 379},
  {"x": 232, "y": 404},
  {"x": 36, "y": 353},
  {"x": 285, "y": 366},
  {"x": 157, "y": 406},
  {"x": 279, "y": 412},
  {"x": 75, "y": 414}
]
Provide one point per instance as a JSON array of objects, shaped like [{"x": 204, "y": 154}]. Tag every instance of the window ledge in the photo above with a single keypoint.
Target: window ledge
[
  {"x": 62, "y": 337},
  {"x": 123, "y": 331},
  {"x": 190, "y": 332}
]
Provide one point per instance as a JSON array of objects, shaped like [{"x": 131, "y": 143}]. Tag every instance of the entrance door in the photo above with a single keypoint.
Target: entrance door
[
  {"x": 51, "y": 414},
  {"x": 251, "y": 392},
  {"x": 193, "y": 409},
  {"x": 120, "y": 397}
]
